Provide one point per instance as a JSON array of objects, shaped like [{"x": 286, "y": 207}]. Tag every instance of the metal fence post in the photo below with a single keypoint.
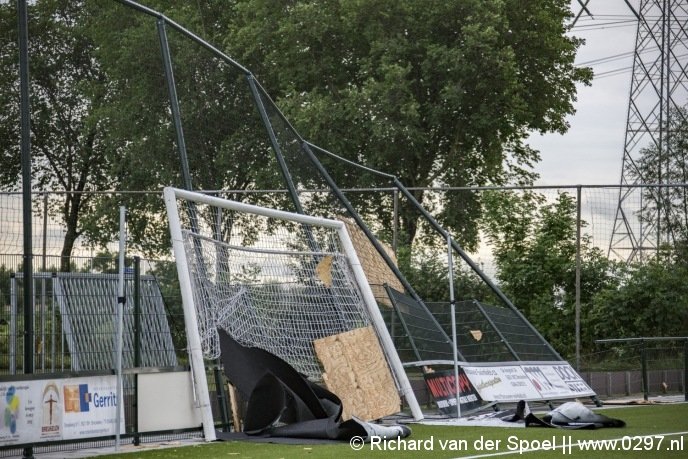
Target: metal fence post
[
  {"x": 137, "y": 344},
  {"x": 395, "y": 226},
  {"x": 25, "y": 144},
  {"x": 685, "y": 370},
  {"x": 221, "y": 395},
  {"x": 578, "y": 278},
  {"x": 643, "y": 369},
  {"x": 12, "y": 347},
  {"x": 137, "y": 311}
]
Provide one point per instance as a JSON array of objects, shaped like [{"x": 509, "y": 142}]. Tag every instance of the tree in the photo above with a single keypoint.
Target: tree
[
  {"x": 105, "y": 262},
  {"x": 650, "y": 299},
  {"x": 102, "y": 121},
  {"x": 428, "y": 274},
  {"x": 226, "y": 143},
  {"x": 67, "y": 147},
  {"x": 434, "y": 92},
  {"x": 535, "y": 252},
  {"x": 437, "y": 93}
]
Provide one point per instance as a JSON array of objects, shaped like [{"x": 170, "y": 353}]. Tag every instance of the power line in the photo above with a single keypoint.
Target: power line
[
  {"x": 613, "y": 72},
  {"x": 604, "y": 26},
  {"x": 625, "y": 16},
  {"x": 604, "y": 60},
  {"x": 620, "y": 70}
]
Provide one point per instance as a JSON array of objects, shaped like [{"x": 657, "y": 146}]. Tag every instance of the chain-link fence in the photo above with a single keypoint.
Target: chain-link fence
[
  {"x": 596, "y": 215},
  {"x": 601, "y": 222},
  {"x": 653, "y": 366}
]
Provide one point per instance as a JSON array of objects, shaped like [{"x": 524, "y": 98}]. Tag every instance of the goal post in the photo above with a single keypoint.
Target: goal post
[
  {"x": 273, "y": 279},
  {"x": 379, "y": 324},
  {"x": 193, "y": 340}
]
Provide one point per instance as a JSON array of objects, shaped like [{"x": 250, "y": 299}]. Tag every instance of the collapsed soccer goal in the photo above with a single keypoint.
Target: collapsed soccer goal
[{"x": 272, "y": 279}]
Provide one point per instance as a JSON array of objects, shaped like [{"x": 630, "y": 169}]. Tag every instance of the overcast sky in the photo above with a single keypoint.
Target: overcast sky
[{"x": 592, "y": 150}]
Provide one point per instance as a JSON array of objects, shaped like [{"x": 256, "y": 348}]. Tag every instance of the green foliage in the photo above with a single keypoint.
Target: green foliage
[
  {"x": 437, "y": 93},
  {"x": 67, "y": 143},
  {"x": 434, "y": 92},
  {"x": 428, "y": 274},
  {"x": 226, "y": 145},
  {"x": 105, "y": 262},
  {"x": 5, "y": 288},
  {"x": 535, "y": 250},
  {"x": 650, "y": 299}
]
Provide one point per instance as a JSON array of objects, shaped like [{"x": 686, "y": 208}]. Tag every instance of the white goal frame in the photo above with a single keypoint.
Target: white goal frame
[{"x": 171, "y": 195}]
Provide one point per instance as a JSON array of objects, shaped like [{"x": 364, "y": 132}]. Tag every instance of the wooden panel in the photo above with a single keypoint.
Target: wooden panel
[
  {"x": 234, "y": 405},
  {"x": 357, "y": 372},
  {"x": 374, "y": 266}
]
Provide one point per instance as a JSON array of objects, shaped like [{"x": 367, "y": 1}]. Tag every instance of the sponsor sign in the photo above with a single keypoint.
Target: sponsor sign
[
  {"x": 442, "y": 386},
  {"x": 510, "y": 383},
  {"x": 503, "y": 383},
  {"x": 546, "y": 381},
  {"x": 65, "y": 409},
  {"x": 572, "y": 379}
]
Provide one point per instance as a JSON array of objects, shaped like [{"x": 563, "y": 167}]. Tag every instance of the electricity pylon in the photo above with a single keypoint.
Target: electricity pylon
[{"x": 658, "y": 93}]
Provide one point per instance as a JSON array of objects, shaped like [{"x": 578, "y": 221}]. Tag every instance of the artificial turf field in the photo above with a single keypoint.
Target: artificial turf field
[{"x": 651, "y": 432}]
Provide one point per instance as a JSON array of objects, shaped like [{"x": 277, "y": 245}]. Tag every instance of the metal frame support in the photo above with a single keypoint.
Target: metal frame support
[{"x": 25, "y": 127}]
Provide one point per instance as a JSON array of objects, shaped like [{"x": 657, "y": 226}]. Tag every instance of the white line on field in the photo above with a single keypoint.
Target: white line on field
[{"x": 574, "y": 445}]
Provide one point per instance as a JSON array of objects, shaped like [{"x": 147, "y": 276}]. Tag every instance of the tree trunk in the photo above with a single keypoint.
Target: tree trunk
[
  {"x": 409, "y": 217},
  {"x": 71, "y": 213}
]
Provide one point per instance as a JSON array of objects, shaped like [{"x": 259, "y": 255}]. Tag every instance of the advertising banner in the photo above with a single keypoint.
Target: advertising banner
[
  {"x": 511, "y": 383},
  {"x": 503, "y": 383},
  {"x": 442, "y": 386},
  {"x": 575, "y": 385},
  {"x": 58, "y": 409}
]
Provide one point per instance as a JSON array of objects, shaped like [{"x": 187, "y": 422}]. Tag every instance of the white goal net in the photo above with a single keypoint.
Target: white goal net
[{"x": 271, "y": 279}]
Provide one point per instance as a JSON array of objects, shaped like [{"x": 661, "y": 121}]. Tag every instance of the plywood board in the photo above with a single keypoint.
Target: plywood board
[
  {"x": 374, "y": 266},
  {"x": 357, "y": 372},
  {"x": 234, "y": 404}
]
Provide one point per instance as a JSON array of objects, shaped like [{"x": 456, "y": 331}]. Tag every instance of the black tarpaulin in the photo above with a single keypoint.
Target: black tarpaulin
[{"x": 283, "y": 403}]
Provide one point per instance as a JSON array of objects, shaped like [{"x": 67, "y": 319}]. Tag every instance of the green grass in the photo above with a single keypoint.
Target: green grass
[{"x": 641, "y": 421}]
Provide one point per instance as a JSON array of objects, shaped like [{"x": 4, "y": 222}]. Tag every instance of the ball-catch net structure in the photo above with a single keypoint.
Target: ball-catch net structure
[{"x": 272, "y": 279}]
